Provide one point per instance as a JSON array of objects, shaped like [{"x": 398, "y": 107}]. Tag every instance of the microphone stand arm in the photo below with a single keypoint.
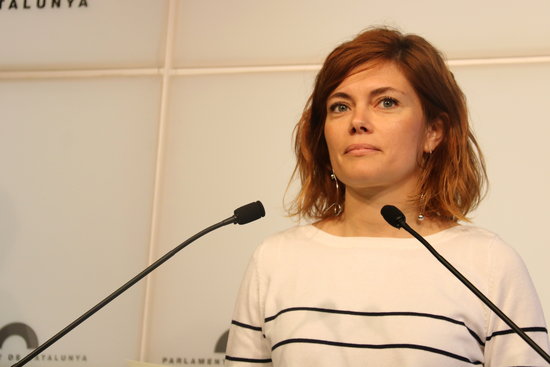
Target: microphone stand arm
[{"x": 119, "y": 291}]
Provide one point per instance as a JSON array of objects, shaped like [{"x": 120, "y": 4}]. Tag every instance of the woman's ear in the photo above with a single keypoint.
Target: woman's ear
[{"x": 434, "y": 134}]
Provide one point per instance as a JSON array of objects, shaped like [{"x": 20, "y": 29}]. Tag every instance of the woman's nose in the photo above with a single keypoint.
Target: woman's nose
[
  {"x": 359, "y": 124},
  {"x": 359, "y": 120}
]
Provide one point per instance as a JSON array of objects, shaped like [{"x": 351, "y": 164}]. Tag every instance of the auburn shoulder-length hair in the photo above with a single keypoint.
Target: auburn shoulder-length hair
[{"x": 453, "y": 176}]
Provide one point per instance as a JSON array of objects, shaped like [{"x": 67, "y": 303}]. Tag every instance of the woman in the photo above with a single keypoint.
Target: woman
[{"x": 385, "y": 124}]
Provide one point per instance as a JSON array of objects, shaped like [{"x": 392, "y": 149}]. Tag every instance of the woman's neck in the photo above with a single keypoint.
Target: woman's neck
[{"x": 362, "y": 218}]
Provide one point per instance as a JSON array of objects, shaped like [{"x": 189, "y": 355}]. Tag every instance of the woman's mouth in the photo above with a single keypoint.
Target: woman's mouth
[{"x": 360, "y": 149}]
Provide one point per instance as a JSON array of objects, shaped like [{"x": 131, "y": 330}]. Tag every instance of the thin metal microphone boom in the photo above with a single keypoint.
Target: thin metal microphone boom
[
  {"x": 397, "y": 219},
  {"x": 245, "y": 214}
]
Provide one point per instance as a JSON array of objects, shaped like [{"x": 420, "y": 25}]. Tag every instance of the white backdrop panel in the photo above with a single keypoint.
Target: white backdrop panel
[
  {"x": 106, "y": 33},
  {"x": 229, "y": 143},
  {"x": 250, "y": 32},
  {"x": 77, "y": 160},
  {"x": 506, "y": 105}
]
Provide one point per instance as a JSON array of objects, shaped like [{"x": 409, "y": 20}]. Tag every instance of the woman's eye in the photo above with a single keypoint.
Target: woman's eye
[
  {"x": 338, "y": 107},
  {"x": 388, "y": 102}
]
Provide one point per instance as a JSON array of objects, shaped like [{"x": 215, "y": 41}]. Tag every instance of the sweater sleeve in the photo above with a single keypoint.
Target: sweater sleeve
[
  {"x": 247, "y": 345},
  {"x": 511, "y": 289}
]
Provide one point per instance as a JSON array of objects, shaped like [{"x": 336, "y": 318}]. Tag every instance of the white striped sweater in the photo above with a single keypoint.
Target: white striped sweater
[{"x": 309, "y": 298}]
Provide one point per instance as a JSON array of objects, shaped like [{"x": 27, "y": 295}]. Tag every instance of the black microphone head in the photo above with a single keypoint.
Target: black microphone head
[
  {"x": 393, "y": 216},
  {"x": 249, "y": 212}
]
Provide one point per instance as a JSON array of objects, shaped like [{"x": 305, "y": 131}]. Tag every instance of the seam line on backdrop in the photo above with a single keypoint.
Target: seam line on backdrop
[
  {"x": 154, "y": 229},
  {"x": 164, "y": 71}
]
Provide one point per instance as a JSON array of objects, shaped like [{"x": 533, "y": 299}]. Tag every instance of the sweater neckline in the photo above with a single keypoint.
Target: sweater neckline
[{"x": 330, "y": 239}]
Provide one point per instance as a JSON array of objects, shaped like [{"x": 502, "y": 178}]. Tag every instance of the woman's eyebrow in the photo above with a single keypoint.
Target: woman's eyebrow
[
  {"x": 383, "y": 90},
  {"x": 340, "y": 95},
  {"x": 372, "y": 93}
]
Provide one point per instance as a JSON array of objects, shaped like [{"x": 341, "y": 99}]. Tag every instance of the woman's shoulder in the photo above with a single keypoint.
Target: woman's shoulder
[
  {"x": 275, "y": 249},
  {"x": 470, "y": 234},
  {"x": 467, "y": 237}
]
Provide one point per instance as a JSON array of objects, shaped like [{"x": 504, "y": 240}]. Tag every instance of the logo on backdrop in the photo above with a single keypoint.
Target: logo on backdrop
[
  {"x": 19, "y": 329},
  {"x": 24, "y": 331},
  {"x": 213, "y": 360},
  {"x": 42, "y": 4}
]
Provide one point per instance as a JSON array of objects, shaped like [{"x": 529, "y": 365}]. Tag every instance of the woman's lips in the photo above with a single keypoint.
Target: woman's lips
[{"x": 360, "y": 149}]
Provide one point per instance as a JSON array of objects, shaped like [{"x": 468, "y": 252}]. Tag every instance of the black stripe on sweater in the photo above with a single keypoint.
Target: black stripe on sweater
[
  {"x": 246, "y": 326},
  {"x": 377, "y": 314},
  {"x": 377, "y": 346},
  {"x": 250, "y": 360},
  {"x": 510, "y": 331}
]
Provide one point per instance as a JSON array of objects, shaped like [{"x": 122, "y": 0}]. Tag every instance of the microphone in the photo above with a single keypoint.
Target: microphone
[
  {"x": 242, "y": 215},
  {"x": 393, "y": 216},
  {"x": 396, "y": 218},
  {"x": 249, "y": 213}
]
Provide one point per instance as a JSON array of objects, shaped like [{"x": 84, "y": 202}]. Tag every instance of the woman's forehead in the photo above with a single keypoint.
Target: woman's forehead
[{"x": 376, "y": 75}]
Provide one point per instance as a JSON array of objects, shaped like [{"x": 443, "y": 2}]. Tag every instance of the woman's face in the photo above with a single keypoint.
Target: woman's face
[{"x": 376, "y": 131}]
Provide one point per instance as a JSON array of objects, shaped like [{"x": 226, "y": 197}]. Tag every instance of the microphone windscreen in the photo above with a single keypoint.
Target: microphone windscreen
[
  {"x": 249, "y": 212},
  {"x": 393, "y": 216}
]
